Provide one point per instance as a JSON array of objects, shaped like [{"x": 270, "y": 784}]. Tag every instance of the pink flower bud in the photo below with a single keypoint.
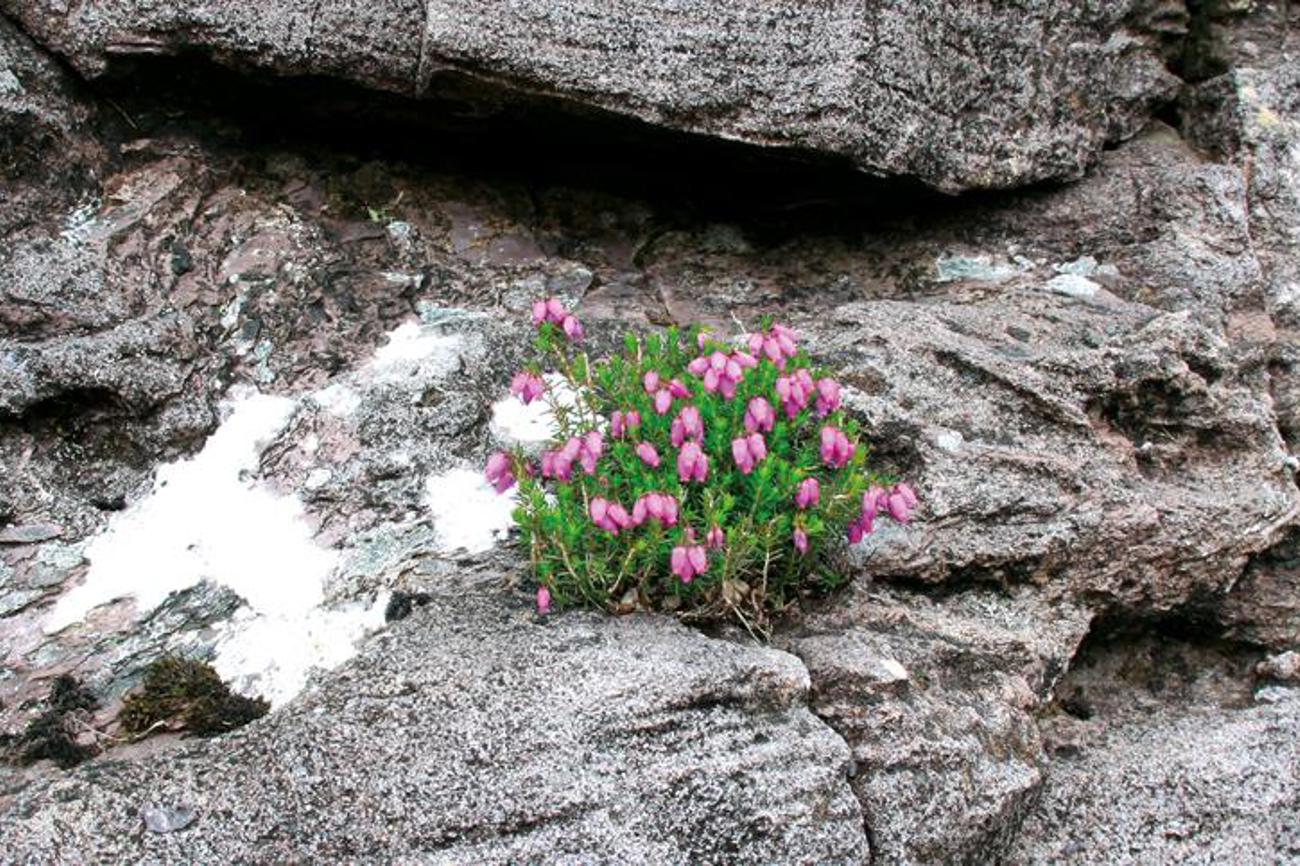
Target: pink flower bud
[
  {"x": 828, "y": 397},
  {"x": 759, "y": 416},
  {"x": 527, "y": 386},
  {"x": 649, "y": 456},
  {"x": 698, "y": 366},
  {"x": 800, "y": 541},
  {"x": 650, "y": 381},
  {"x": 747, "y": 451},
  {"x": 543, "y": 601},
  {"x": 808, "y": 494},
  {"x": 663, "y": 401},
  {"x": 692, "y": 464},
  {"x": 715, "y": 540},
  {"x": 572, "y": 328},
  {"x": 499, "y": 473},
  {"x": 617, "y": 426}
]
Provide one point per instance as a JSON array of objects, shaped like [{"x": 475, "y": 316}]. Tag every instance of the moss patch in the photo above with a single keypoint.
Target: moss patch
[
  {"x": 53, "y": 734},
  {"x": 180, "y": 694}
]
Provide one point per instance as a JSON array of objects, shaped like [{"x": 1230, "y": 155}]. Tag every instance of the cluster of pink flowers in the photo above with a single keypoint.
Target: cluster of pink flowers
[
  {"x": 759, "y": 416},
  {"x": 584, "y": 450},
  {"x": 609, "y": 516},
  {"x": 663, "y": 392},
  {"x": 688, "y": 560},
  {"x": 692, "y": 463},
  {"x": 687, "y": 425},
  {"x": 551, "y": 310},
  {"x": 837, "y": 450},
  {"x": 747, "y": 451},
  {"x": 527, "y": 386},
  {"x": 659, "y": 507},
  {"x": 499, "y": 472},
  {"x": 624, "y": 423},
  {"x": 720, "y": 373},
  {"x": 896, "y": 502},
  {"x": 776, "y": 344}
]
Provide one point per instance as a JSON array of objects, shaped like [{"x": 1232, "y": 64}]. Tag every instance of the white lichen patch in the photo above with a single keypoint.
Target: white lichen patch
[{"x": 468, "y": 514}]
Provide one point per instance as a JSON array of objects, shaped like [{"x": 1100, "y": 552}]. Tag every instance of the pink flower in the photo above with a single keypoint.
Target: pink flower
[
  {"x": 622, "y": 423},
  {"x": 572, "y": 328},
  {"x": 715, "y": 540},
  {"x": 747, "y": 451},
  {"x": 609, "y": 516},
  {"x": 559, "y": 463},
  {"x": 655, "y": 506},
  {"x": 650, "y": 381},
  {"x": 793, "y": 391},
  {"x": 800, "y": 541},
  {"x": 692, "y": 464},
  {"x": 776, "y": 344},
  {"x": 688, "y": 560},
  {"x": 759, "y": 416},
  {"x": 836, "y": 448},
  {"x": 808, "y": 494},
  {"x": 828, "y": 397},
  {"x": 649, "y": 456},
  {"x": 543, "y": 600},
  {"x": 663, "y": 401},
  {"x": 678, "y": 390},
  {"x": 527, "y": 386},
  {"x": 687, "y": 425},
  {"x": 859, "y": 528},
  {"x": 899, "y": 502},
  {"x": 499, "y": 473},
  {"x": 593, "y": 446},
  {"x": 698, "y": 366},
  {"x": 548, "y": 310},
  {"x": 873, "y": 501}
]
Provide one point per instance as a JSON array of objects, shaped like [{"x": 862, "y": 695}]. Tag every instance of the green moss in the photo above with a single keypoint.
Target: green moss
[{"x": 188, "y": 695}]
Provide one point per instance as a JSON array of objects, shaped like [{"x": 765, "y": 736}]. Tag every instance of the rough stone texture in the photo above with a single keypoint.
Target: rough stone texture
[
  {"x": 968, "y": 96},
  {"x": 1164, "y": 756},
  {"x": 936, "y": 698},
  {"x": 472, "y": 733},
  {"x": 1093, "y": 386},
  {"x": 1093, "y": 443}
]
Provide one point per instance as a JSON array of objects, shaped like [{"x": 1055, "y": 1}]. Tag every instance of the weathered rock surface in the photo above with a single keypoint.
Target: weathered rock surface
[
  {"x": 472, "y": 733},
  {"x": 1093, "y": 386},
  {"x": 959, "y": 96},
  {"x": 1167, "y": 758},
  {"x": 937, "y": 699}
]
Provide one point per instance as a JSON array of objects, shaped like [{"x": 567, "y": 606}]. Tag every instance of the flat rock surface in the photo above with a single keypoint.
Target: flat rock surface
[{"x": 470, "y": 732}]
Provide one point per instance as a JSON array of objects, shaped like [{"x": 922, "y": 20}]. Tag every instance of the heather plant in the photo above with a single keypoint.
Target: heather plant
[{"x": 689, "y": 475}]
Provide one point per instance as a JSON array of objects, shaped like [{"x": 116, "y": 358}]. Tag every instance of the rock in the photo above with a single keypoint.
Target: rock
[
  {"x": 959, "y": 97},
  {"x": 1283, "y": 666},
  {"x": 1089, "y": 433},
  {"x": 1175, "y": 768},
  {"x": 30, "y": 533},
  {"x": 629, "y": 739},
  {"x": 937, "y": 700},
  {"x": 166, "y": 819}
]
